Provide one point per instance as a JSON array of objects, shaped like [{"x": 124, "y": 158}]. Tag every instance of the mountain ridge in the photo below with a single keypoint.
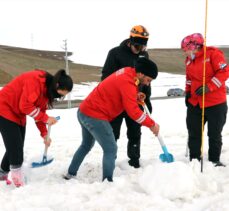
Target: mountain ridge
[{"x": 16, "y": 60}]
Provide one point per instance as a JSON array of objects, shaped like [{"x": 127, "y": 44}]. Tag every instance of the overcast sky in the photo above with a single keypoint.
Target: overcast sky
[{"x": 92, "y": 27}]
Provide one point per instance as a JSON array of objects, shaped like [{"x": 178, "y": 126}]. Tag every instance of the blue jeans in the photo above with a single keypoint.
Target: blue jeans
[{"x": 101, "y": 131}]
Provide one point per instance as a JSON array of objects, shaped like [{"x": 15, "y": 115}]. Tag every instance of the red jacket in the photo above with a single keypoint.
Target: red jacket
[
  {"x": 216, "y": 73},
  {"x": 112, "y": 96},
  {"x": 26, "y": 95}
]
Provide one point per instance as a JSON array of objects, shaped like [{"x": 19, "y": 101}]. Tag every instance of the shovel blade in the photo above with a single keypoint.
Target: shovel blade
[
  {"x": 168, "y": 158},
  {"x": 44, "y": 162}
]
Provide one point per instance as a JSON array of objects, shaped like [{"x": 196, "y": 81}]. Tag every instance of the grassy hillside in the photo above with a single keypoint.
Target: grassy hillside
[
  {"x": 172, "y": 60},
  {"x": 168, "y": 60},
  {"x": 14, "y": 61}
]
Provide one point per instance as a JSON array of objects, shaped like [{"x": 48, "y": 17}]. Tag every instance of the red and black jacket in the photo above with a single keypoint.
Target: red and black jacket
[
  {"x": 107, "y": 101},
  {"x": 122, "y": 56},
  {"x": 26, "y": 95}
]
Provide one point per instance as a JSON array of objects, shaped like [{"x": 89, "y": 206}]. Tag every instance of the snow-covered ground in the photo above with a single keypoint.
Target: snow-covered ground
[{"x": 155, "y": 186}]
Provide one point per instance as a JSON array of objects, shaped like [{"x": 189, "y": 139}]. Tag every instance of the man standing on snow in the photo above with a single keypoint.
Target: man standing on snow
[
  {"x": 111, "y": 97},
  {"x": 121, "y": 56},
  {"x": 216, "y": 73}
]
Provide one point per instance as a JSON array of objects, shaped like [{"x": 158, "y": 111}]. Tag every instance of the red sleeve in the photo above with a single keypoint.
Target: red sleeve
[
  {"x": 27, "y": 105},
  {"x": 129, "y": 98},
  {"x": 42, "y": 128},
  {"x": 188, "y": 84},
  {"x": 220, "y": 68},
  {"x": 30, "y": 94}
]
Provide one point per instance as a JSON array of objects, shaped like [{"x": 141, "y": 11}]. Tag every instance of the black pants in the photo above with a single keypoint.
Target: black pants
[
  {"x": 13, "y": 137},
  {"x": 215, "y": 116},
  {"x": 133, "y": 134}
]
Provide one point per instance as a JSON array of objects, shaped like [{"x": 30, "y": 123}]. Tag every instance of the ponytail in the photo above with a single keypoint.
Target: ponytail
[
  {"x": 60, "y": 81},
  {"x": 63, "y": 81}
]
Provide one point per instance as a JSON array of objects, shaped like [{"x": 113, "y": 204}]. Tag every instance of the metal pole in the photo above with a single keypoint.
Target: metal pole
[
  {"x": 32, "y": 41},
  {"x": 204, "y": 83},
  {"x": 67, "y": 69}
]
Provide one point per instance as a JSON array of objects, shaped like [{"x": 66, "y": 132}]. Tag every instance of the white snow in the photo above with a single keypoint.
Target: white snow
[{"x": 155, "y": 186}]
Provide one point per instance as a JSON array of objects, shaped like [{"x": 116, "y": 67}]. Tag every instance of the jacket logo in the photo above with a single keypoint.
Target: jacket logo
[
  {"x": 119, "y": 72},
  {"x": 207, "y": 60},
  {"x": 222, "y": 65}
]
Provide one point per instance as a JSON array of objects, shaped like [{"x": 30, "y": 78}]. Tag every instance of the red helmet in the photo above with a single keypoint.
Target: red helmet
[{"x": 192, "y": 42}]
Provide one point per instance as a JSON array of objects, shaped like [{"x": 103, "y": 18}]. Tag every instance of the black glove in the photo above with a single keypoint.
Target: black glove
[
  {"x": 187, "y": 96},
  {"x": 199, "y": 91}
]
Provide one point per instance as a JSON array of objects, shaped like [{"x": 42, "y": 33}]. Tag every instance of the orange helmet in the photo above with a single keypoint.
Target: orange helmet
[
  {"x": 139, "y": 31},
  {"x": 139, "y": 35}
]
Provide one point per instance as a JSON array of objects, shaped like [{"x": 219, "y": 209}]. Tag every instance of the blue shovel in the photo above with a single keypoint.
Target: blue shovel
[
  {"x": 45, "y": 161},
  {"x": 166, "y": 156}
]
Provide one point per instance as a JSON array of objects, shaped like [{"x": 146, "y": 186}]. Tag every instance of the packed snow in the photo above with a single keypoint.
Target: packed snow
[{"x": 156, "y": 186}]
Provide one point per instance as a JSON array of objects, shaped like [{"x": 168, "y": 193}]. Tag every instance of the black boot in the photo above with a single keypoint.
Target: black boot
[
  {"x": 219, "y": 164},
  {"x": 109, "y": 179},
  {"x": 133, "y": 152},
  {"x": 134, "y": 162},
  {"x": 68, "y": 176}
]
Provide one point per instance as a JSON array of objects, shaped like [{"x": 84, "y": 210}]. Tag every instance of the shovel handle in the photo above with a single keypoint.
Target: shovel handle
[
  {"x": 47, "y": 138},
  {"x": 166, "y": 157},
  {"x": 160, "y": 139},
  {"x": 164, "y": 148},
  {"x": 146, "y": 108}
]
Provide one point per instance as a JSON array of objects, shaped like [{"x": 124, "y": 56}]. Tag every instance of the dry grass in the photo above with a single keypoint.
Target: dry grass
[{"x": 14, "y": 61}]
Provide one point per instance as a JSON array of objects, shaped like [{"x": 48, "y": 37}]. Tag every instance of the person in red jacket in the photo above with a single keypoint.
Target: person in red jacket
[
  {"x": 28, "y": 94},
  {"x": 214, "y": 91},
  {"x": 118, "y": 92}
]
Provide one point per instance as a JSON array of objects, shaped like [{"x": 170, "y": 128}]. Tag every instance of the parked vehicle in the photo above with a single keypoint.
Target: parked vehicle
[
  {"x": 227, "y": 89},
  {"x": 175, "y": 92}
]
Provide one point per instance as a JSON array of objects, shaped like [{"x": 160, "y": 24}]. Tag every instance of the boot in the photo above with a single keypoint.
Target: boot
[
  {"x": 109, "y": 179},
  {"x": 219, "y": 164},
  {"x": 68, "y": 176},
  {"x": 17, "y": 176},
  {"x": 133, "y": 152},
  {"x": 134, "y": 162},
  {"x": 3, "y": 175}
]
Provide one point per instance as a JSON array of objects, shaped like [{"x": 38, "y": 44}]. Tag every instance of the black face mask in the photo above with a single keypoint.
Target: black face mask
[{"x": 55, "y": 94}]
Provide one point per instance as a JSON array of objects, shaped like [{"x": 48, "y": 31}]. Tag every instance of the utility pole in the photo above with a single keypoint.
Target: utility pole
[
  {"x": 67, "y": 69},
  {"x": 32, "y": 39}
]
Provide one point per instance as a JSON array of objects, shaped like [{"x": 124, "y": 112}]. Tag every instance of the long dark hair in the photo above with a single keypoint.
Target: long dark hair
[{"x": 59, "y": 81}]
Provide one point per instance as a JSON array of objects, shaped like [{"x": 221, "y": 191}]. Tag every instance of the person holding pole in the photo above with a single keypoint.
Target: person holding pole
[{"x": 214, "y": 92}]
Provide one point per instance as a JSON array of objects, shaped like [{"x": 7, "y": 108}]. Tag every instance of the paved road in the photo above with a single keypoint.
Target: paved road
[{"x": 75, "y": 103}]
